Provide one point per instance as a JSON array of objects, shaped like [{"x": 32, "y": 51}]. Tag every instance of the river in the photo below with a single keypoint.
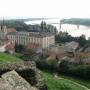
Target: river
[{"x": 71, "y": 29}]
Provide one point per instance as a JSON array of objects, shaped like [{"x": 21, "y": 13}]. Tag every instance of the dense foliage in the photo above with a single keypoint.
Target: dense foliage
[
  {"x": 48, "y": 28},
  {"x": 50, "y": 65},
  {"x": 66, "y": 68},
  {"x": 64, "y": 37},
  {"x": 82, "y": 71}
]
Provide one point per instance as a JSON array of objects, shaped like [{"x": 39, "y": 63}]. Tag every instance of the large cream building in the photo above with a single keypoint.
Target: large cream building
[{"x": 43, "y": 40}]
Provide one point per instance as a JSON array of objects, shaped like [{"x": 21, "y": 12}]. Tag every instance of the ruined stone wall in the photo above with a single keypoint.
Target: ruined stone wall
[
  {"x": 13, "y": 81},
  {"x": 27, "y": 70}
]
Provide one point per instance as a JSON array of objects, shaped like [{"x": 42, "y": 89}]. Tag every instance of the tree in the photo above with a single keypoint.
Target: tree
[
  {"x": 19, "y": 48},
  {"x": 52, "y": 64},
  {"x": 82, "y": 40},
  {"x": 89, "y": 40},
  {"x": 48, "y": 28},
  {"x": 63, "y": 37},
  {"x": 63, "y": 66},
  {"x": 43, "y": 26}
]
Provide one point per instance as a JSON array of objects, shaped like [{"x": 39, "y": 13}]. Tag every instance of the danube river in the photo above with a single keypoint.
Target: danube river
[{"x": 71, "y": 29}]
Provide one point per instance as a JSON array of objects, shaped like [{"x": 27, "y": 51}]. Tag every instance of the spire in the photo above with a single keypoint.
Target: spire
[
  {"x": 3, "y": 22},
  {"x": 3, "y": 27}
]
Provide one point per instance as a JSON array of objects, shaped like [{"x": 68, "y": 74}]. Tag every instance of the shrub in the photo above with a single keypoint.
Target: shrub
[{"x": 82, "y": 71}]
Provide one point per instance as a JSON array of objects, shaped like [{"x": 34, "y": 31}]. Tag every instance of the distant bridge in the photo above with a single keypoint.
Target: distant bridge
[
  {"x": 52, "y": 22},
  {"x": 58, "y": 23}
]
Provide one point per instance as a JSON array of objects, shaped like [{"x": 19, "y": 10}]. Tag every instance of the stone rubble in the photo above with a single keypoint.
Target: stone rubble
[{"x": 13, "y": 81}]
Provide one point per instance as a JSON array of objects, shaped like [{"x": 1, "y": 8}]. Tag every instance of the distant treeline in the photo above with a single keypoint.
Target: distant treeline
[
  {"x": 20, "y": 25},
  {"x": 76, "y": 21}
]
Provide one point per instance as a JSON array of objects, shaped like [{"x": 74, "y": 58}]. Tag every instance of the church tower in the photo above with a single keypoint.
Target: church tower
[{"x": 3, "y": 30}]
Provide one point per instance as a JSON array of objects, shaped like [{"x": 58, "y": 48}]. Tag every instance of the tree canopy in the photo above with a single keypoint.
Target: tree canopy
[
  {"x": 64, "y": 37},
  {"x": 48, "y": 28}
]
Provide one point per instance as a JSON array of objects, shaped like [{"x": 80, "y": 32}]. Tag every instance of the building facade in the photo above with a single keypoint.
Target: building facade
[
  {"x": 42, "y": 40},
  {"x": 36, "y": 39}
]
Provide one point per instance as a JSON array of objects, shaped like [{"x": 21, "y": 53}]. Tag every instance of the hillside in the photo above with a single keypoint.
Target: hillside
[
  {"x": 59, "y": 83},
  {"x": 26, "y": 69},
  {"x": 5, "y": 58}
]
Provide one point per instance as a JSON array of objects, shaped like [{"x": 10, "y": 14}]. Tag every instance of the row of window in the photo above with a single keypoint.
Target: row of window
[
  {"x": 25, "y": 39},
  {"x": 46, "y": 41}
]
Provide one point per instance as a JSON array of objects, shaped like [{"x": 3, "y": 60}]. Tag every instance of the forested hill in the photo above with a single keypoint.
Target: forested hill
[{"x": 76, "y": 21}]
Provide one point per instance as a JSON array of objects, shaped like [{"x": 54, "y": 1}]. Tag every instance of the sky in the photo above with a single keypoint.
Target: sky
[{"x": 45, "y": 8}]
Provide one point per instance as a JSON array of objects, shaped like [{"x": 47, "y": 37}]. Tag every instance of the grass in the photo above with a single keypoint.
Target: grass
[
  {"x": 5, "y": 58},
  {"x": 78, "y": 80},
  {"x": 59, "y": 83}
]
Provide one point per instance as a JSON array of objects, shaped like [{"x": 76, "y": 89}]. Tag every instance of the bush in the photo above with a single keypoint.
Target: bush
[
  {"x": 41, "y": 64},
  {"x": 53, "y": 64},
  {"x": 82, "y": 71},
  {"x": 63, "y": 67},
  {"x": 50, "y": 65}
]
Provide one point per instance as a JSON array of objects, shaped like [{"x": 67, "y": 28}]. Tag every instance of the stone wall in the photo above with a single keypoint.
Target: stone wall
[
  {"x": 13, "y": 81},
  {"x": 28, "y": 71},
  {"x": 18, "y": 65}
]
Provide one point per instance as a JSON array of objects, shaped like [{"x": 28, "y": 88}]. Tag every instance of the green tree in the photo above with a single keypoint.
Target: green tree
[
  {"x": 19, "y": 48},
  {"x": 48, "y": 28},
  {"x": 82, "y": 40},
  {"x": 63, "y": 66},
  {"x": 43, "y": 26},
  {"x": 53, "y": 64}
]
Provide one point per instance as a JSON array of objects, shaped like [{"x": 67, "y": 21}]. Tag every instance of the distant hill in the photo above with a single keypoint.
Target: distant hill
[
  {"x": 26, "y": 19},
  {"x": 76, "y": 21}
]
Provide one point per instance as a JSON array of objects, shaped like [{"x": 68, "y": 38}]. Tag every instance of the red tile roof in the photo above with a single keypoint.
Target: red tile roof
[
  {"x": 11, "y": 30},
  {"x": 11, "y": 45}
]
